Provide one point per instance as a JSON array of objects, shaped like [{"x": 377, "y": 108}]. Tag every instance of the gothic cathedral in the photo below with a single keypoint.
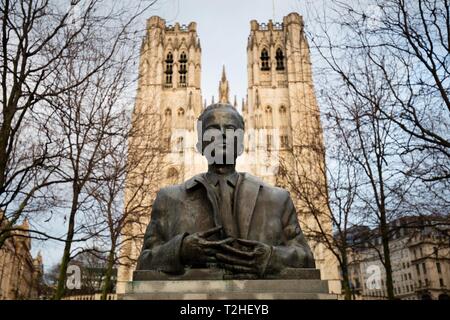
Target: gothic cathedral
[{"x": 282, "y": 122}]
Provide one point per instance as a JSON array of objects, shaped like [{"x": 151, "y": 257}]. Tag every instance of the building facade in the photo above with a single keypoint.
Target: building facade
[
  {"x": 20, "y": 273},
  {"x": 282, "y": 119},
  {"x": 420, "y": 255}
]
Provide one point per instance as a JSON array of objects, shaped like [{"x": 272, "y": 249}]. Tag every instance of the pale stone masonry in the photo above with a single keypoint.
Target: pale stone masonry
[
  {"x": 420, "y": 256},
  {"x": 281, "y": 115},
  {"x": 20, "y": 273}
]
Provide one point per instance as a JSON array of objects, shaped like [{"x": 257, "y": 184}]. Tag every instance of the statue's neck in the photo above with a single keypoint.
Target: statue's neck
[{"x": 222, "y": 169}]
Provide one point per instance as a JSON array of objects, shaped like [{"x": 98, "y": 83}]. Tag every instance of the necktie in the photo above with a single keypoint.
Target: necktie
[{"x": 226, "y": 209}]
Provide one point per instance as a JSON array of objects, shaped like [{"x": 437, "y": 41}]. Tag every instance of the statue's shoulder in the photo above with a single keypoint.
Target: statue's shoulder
[
  {"x": 267, "y": 188},
  {"x": 177, "y": 190}
]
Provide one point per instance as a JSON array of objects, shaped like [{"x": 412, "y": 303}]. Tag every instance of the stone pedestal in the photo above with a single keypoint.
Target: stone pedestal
[{"x": 201, "y": 284}]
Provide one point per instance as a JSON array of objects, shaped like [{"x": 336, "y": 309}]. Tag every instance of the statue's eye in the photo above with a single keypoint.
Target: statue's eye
[{"x": 213, "y": 127}]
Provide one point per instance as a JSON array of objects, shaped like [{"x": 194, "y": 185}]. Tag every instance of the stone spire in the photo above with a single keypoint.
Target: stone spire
[
  {"x": 224, "y": 88},
  {"x": 25, "y": 225}
]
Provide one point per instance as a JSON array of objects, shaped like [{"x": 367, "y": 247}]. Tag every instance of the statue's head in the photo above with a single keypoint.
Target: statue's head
[{"x": 220, "y": 130}]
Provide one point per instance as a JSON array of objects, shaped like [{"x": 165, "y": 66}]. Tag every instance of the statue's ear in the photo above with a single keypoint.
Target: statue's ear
[
  {"x": 240, "y": 144},
  {"x": 240, "y": 149},
  {"x": 199, "y": 147}
]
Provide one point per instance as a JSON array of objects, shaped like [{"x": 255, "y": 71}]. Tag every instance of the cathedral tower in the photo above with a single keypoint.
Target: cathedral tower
[
  {"x": 162, "y": 147},
  {"x": 169, "y": 93},
  {"x": 283, "y": 118},
  {"x": 281, "y": 104}
]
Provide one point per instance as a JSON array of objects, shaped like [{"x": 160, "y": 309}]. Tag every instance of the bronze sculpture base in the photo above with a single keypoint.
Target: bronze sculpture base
[{"x": 201, "y": 284}]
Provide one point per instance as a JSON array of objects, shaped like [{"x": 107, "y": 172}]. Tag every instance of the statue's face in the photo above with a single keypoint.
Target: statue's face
[{"x": 223, "y": 136}]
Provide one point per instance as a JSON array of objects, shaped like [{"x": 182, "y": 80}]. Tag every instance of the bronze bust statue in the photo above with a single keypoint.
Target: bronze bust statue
[{"x": 224, "y": 218}]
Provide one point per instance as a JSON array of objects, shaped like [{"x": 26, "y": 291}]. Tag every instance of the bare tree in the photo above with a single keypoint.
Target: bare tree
[
  {"x": 38, "y": 38},
  {"x": 85, "y": 119},
  {"x": 36, "y": 35},
  {"x": 128, "y": 176},
  {"x": 53, "y": 56},
  {"x": 386, "y": 70},
  {"x": 415, "y": 41}
]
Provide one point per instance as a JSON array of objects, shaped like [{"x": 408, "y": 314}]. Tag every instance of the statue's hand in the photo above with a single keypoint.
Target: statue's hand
[
  {"x": 253, "y": 257},
  {"x": 197, "y": 249}
]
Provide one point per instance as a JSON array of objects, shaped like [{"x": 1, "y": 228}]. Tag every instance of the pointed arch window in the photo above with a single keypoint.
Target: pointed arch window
[
  {"x": 168, "y": 117},
  {"x": 180, "y": 144},
  {"x": 283, "y": 116},
  {"x": 284, "y": 142},
  {"x": 173, "y": 175},
  {"x": 279, "y": 57},
  {"x": 183, "y": 68},
  {"x": 269, "y": 117},
  {"x": 265, "y": 60},
  {"x": 169, "y": 68}
]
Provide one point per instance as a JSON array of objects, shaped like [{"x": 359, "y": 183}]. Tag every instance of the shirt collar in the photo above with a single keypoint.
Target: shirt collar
[{"x": 213, "y": 178}]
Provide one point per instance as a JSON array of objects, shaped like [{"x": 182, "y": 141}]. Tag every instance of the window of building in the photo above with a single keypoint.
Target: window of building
[
  {"x": 280, "y": 59},
  {"x": 418, "y": 269},
  {"x": 265, "y": 60},
  {"x": 269, "y": 141},
  {"x": 269, "y": 117},
  {"x": 424, "y": 268},
  {"x": 172, "y": 173},
  {"x": 420, "y": 283},
  {"x": 183, "y": 68},
  {"x": 409, "y": 276},
  {"x": 438, "y": 267},
  {"x": 283, "y": 116},
  {"x": 168, "y": 117},
  {"x": 167, "y": 143},
  {"x": 284, "y": 141},
  {"x": 441, "y": 282},
  {"x": 180, "y": 145},
  {"x": 169, "y": 68}
]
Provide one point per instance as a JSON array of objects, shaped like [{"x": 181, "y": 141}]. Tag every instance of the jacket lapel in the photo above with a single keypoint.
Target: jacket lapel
[
  {"x": 247, "y": 193},
  {"x": 200, "y": 178}
]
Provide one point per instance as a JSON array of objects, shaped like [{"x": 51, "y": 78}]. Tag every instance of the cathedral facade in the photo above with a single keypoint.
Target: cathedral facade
[{"x": 282, "y": 122}]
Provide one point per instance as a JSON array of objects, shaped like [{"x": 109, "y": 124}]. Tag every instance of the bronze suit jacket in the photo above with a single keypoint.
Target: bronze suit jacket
[{"x": 264, "y": 213}]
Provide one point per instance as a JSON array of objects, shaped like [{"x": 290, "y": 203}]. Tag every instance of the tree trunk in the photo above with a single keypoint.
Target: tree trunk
[
  {"x": 66, "y": 255},
  {"x": 387, "y": 258},
  {"x": 109, "y": 269},
  {"x": 345, "y": 277}
]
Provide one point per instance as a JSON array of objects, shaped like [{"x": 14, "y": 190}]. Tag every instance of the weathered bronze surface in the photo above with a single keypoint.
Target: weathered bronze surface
[{"x": 223, "y": 219}]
